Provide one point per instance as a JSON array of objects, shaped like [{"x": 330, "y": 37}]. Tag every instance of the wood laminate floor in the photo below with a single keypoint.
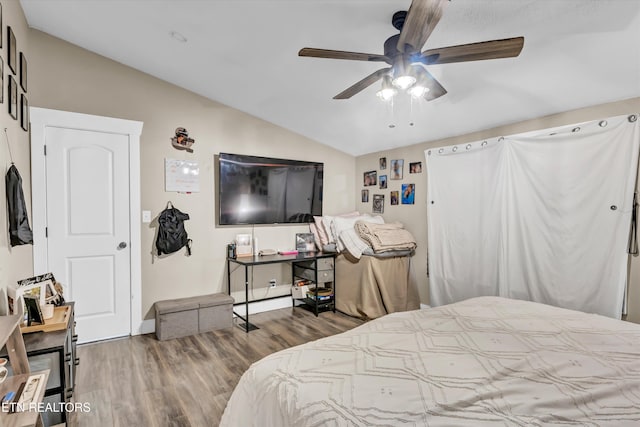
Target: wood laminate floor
[{"x": 140, "y": 381}]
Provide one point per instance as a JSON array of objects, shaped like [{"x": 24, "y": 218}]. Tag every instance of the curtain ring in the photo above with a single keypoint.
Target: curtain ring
[
  {"x": 576, "y": 129},
  {"x": 429, "y": 152},
  {"x": 441, "y": 150},
  {"x": 483, "y": 143},
  {"x": 603, "y": 123},
  {"x": 632, "y": 118},
  {"x": 501, "y": 139},
  {"x": 468, "y": 147},
  {"x": 454, "y": 149}
]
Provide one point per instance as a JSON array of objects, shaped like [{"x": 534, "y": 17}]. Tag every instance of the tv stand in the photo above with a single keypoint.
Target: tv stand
[{"x": 312, "y": 261}]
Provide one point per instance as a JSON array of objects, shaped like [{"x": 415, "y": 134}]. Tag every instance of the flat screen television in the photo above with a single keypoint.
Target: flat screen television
[{"x": 263, "y": 190}]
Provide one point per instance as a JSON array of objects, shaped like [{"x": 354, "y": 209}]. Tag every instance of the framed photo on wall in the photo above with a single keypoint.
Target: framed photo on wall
[
  {"x": 383, "y": 181},
  {"x": 13, "y": 98},
  {"x": 24, "y": 112},
  {"x": 370, "y": 178},
  {"x": 396, "y": 168},
  {"x": 378, "y": 203},
  {"x": 365, "y": 196},
  {"x": 408, "y": 194},
  {"x": 1, "y": 79},
  {"x": 23, "y": 72},
  {"x": 383, "y": 163},
  {"x": 415, "y": 167},
  {"x": 12, "y": 60},
  {"x": 394, "y": 197}
]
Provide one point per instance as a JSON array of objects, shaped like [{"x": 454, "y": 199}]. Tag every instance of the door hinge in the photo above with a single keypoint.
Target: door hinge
[
  {"x": 46, "y": 232},
  {"x": 45, "y": 150}
]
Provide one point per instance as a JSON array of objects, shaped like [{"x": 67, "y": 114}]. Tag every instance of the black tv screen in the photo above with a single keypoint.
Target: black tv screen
[{"x": 262, "y": 190}]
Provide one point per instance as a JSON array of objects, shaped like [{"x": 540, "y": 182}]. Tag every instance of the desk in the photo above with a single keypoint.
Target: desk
[{"x": 257, "y": 260}]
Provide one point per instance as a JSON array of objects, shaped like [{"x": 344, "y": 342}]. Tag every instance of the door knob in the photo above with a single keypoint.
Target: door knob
[{"x": 122, "y": 245}]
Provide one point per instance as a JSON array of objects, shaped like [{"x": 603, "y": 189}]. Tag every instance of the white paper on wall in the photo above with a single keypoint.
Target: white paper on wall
[{"x": 182, "y": 176}]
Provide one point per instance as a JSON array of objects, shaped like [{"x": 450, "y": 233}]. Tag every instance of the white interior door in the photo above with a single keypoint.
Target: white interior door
[
  {"x": 86, "y": 216},
  {"x": 87, "y": 177}
]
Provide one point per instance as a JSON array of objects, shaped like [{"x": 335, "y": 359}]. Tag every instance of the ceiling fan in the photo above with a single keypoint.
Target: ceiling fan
[{"x": 407, "y": 70}]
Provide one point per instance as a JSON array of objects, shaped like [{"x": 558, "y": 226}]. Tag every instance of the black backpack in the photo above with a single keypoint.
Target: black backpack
[{"x": 171, "y": 233}]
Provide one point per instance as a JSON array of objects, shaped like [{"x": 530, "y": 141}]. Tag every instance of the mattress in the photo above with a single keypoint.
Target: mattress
[{"x": 483, "y": 361}]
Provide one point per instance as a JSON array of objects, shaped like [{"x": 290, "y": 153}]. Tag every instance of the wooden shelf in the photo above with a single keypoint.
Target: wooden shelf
[
  {"x": 7, "y": 325},
  {"x": 18, "y": 419},
  {"x": 11, "y": 336},
  {"x": 58, "y": 322}
]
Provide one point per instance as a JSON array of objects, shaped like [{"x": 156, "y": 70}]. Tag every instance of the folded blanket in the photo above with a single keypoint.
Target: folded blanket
[
  {"x": 385, "y": 237},
  {"x": 353, "y": 243}
]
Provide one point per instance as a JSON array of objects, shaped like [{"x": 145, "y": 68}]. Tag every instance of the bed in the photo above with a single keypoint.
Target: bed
[
  {"x": 483, "y": 361},
  {"x": 372, "y": 265},
  {"x": 374, "y": 286}
]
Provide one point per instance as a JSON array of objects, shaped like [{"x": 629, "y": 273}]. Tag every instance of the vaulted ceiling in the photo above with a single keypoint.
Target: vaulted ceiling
[{"x": 244, "y": 53}]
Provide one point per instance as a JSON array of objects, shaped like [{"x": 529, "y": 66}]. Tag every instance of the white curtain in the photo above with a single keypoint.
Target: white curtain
[{"x": 543, "y": 216}]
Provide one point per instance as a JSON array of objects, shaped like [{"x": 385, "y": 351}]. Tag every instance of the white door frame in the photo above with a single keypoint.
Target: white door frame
[{"x": 41, "y": 118}]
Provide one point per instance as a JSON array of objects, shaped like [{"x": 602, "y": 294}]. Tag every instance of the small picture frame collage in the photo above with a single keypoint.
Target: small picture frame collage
[
  {"x": 401, "y": 193},
  {"x": 16, "y": 78}
]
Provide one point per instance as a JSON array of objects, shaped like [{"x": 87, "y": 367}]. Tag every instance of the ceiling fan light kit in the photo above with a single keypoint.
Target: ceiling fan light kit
[
  {"x": 421, "y": 87},
  {"x": 388, "y": 91},
  {"x": 403, "y": 75},
  {"x": 408, "y": 71}
]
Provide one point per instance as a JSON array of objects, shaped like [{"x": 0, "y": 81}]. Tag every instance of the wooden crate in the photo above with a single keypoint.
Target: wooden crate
[{"x": 58, "y": 322}]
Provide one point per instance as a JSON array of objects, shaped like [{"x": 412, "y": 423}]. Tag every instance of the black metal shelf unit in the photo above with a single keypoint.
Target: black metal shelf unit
[{"x": 321, "y": 274}]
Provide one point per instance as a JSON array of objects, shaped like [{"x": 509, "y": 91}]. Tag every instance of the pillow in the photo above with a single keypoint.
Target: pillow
[
  {"x": 323, "y": 239},
  {"x": 316, "y": 235},
  {"x": 327, "y": 221}
]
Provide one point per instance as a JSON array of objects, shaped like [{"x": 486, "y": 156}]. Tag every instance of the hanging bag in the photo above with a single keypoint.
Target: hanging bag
[
  {"x": 19, "y": 230},
  {"x": 171, "y": 233}
]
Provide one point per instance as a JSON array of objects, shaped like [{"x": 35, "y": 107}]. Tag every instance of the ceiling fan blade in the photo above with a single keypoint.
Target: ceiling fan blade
[
  {"x": 493, "y": 49},
  {"x": 435, "y": 88},
  {"x": 362, "y": 84},
  {"x": 341, "y": 54},
  {"x": 422, "y": 18}
]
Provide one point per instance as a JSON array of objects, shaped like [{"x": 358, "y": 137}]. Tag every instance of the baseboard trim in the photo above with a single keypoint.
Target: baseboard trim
[
  {"x": 424, "y": 306},
  {"x": 262, "y": 306},
  {"x": 149, "y": 326}
]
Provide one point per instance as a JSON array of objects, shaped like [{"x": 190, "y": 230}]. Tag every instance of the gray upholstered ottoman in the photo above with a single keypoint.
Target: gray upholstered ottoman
[
  {"x": 216, "y": 312},
  {"x": 176, "y": 318}
]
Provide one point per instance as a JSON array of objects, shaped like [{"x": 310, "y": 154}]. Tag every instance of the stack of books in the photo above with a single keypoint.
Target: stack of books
[{"x": 323, "y": 294}]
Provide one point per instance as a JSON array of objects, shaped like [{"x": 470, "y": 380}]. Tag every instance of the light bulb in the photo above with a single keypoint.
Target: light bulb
[
  {"x": 388, "y": 91},
  {"x": 386, "y": 94},
  {"x": 418, "y": 91},
  {"x": 404, "y": 82}
]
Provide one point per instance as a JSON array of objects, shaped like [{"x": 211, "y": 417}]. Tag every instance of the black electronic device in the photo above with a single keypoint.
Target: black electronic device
[{"x": 263, "y": 190}]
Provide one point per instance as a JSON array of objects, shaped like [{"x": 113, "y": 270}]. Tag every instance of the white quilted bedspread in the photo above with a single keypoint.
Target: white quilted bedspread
[{"x": 484, "y": 361}]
